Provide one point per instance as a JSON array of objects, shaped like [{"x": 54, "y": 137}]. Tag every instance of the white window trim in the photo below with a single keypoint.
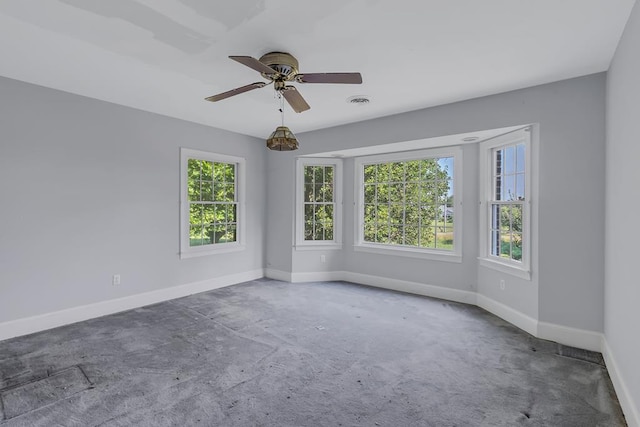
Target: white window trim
[
  {"x": 518, "y": 269},
  {"x": 300, "y": 242},
  {"x": 432, "y": 254},
  {"x": 187, "y": 251}
]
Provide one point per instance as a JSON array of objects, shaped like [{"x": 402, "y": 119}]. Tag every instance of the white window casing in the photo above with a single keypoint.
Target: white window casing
[
  {"x": 495, "y": 228},
  {"x": 452, "y": 252},
  {"x": 333, "y": 203},
  {"x": 232, "y": 222}
]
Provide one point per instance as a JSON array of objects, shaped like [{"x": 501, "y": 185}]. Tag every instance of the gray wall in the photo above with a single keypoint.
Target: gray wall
[
  {"x": 622, "y": 287},
  {"x": 90, "y": 189},
  {"x": 567, "y": 285}
]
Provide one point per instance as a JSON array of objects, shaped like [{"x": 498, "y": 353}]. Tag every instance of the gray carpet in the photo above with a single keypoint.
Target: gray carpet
[{"x": 269, "y": 353}]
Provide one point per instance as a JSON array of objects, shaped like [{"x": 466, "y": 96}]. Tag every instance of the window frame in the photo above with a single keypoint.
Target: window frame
[
  {"x": 187, "y": 251},
  {"x": 520, "y": 269},
  {"x": 360, "y": 245},
  {"x": 300, "y": 242}
]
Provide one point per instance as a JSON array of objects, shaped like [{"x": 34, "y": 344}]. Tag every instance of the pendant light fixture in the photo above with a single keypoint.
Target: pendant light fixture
[{"x": 282, "y": 139}]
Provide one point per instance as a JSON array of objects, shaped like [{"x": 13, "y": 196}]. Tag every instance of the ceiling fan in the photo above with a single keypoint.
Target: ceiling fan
[{"x": 280, "y": 68}]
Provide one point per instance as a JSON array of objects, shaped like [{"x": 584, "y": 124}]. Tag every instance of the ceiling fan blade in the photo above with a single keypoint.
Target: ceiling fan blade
[
  {"x": 348, "y": 78},
  {"x": 254, "y": 63},
  {"x": 235, "y": 91},
  {"x": 294, "y": 99}
]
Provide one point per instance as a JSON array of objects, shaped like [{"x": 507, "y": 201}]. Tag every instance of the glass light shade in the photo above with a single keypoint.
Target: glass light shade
[{"x": 282, "y": 139}]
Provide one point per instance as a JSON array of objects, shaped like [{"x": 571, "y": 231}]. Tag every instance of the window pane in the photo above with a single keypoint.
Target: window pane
[
  {"x": 429, "y": 192},
  {"x": 412, "y": 192},
  {"x": 427, "y": 237},
  {"x": 230, "y": 174},
  {"x": 396, "y": 193},
  {"x": 396, "y": 213},
  {"x": 516, "y": 218},
  {"x": 412, "y": 233},
  {"x": 208, "y": 213},
  {"x": 382, "y": 235},
  {"x": 520, "y": 186},
  {"x": 495, "y": 243},
  {"x": 207, "y": 167},
  {"x": 444, "y": 238},
  {"x": 382, "y": 213},
  {"x": 195, "y": 213},
  {"x": 396, "y": 236},
  {"x": 516, "y": 246},
  {"x": 509, "y": 161},
  {"x": 369, "y": 173},
  {"x": 195, "y": 235},
  {"x": 508, "y": 187},
  {"x": 369, "y": 213},
  {"x": 412, "y": 214},
  {"x": 328, "y": 174},
  {"x": 206, "y": 191},
  {"x": 308, "y": 212},
  {"x": 383, "y": 172},
  {"x": 308, "y": 230},
  {"x": 382, "y": 193},
  {"x": 193, "y": 169},
  {"x": 413, "y": 171},
  {"x": 369, "y": 232},
  {"x": 495, "y": 217},
  {"x": 497, "y": 188},
  {"x": 308, "y": 174},
  {"x": 520, "y": 158},
  {"x": 232, "y": 215},
  {"x": 328, "y": 231},
  {"x": 308, "y": 192},
  {"x": 232, "y": 233},
  {"x": 428, "y": 215},
  {"x": 505, "y": 245},
  {"x": 369, "y": 193}
]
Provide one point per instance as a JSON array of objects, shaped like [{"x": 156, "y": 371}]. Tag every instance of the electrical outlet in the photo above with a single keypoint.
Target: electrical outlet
[
  {"x": 502, "y": 284},
  {"x": 323, "y": 258},
  {"x": 115, "y": 280}
]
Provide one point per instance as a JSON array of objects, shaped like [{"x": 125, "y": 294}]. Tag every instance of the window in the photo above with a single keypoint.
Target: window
[
  {"x": 505, "y": 216},
  {"x": 319, "y": 202},
  {"x": 211, "y": 203},
  {"x": 407, "y": 203}
]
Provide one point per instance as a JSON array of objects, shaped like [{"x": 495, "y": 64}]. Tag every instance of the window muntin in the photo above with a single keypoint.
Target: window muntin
[
  {"x": 407, "y": 204},
  {"x": 319, "y": 202},
  {"x": 508, "y": 200},
  {"x": 211, "y": 203}
]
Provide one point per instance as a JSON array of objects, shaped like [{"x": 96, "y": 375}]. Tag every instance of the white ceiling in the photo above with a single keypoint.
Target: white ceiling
[{"x": 166, "y": 56}]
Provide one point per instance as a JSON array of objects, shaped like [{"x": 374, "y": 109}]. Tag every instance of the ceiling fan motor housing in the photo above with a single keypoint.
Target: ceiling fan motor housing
[{"x": 284, "y": 63}]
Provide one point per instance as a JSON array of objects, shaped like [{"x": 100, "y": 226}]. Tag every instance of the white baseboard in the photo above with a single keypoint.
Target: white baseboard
[
  {"x": 467, "y": 297},
  {"x": 42, "y": 322},
  {"x": 284, "y": 276},
  {"x": 318, "y": 276},
  {"x": 573, "y": 337},
  {"x": 521, "y": 320},
  {"x": 628, "y": 404}
]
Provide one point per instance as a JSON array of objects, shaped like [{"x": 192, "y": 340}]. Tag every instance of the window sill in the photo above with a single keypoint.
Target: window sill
[
  {"x": 505, "y": 268},
  {"x": 226, "y": 248},
  {"x": 409, "y": 252},
  {"x": 325, "y": 246}
]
